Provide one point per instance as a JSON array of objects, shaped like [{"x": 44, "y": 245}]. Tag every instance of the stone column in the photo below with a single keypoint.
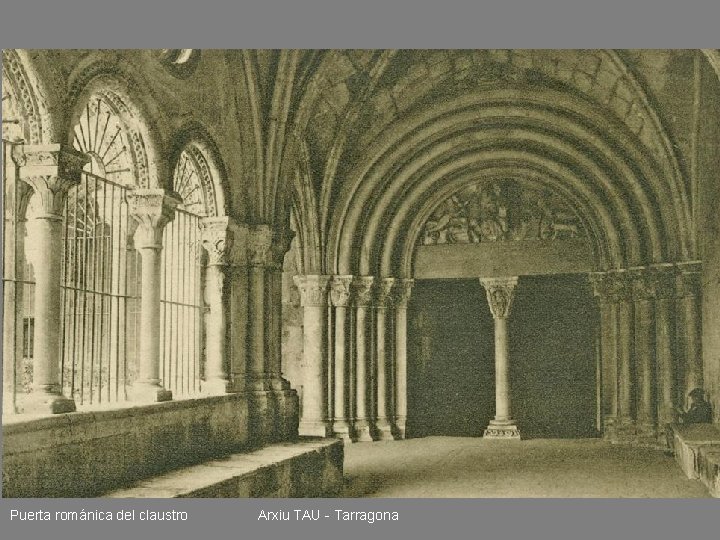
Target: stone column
[
  {"x": 623, "y": 295},
  {"x": 152, "y": 209},
  {"x": 363, "y": 293},
  {"x": 238, "y": 306},
  {"x": 603, "y": 291},
  {"x": 689, "y": 314},
  {"x": 664, "y": 337},
  {"x": 382, "y": 301},
  {"x": 259, "y": 244},
  {"x": 50, "y": 170},
  {"x": 313, "y": 296},
  {"x": 500, "y": 293},
  {"x": 280, "y": 246},
  {"x": 217, "y": 239},
  {"x": 643, "y": 289},
  {"x": 403, "y": 289},
  {"x": 340, "y": 298}
]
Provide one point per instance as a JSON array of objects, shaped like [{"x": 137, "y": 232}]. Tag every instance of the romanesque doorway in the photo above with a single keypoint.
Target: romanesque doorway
[{"x": 451, "y": 370}]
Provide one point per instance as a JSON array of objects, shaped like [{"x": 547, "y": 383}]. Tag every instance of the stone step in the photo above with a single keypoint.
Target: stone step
[
  {"x": 709, "y": 464},
  {"x": 687, "y": 441},
  {"x": 306, "y": 468}
]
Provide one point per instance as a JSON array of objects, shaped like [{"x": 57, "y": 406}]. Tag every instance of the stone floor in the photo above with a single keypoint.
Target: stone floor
[{"x": 473, "y": 467}]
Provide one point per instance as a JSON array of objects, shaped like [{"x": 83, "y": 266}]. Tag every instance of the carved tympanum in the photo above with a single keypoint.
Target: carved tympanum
[{"x": 499, "y": 211}]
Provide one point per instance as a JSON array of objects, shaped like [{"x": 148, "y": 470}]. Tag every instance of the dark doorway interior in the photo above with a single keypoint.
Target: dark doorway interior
[
  {"x": 451, "y": 371},
  {"x": 450, "y": 359},
  {"x": 552, "y": 357}
]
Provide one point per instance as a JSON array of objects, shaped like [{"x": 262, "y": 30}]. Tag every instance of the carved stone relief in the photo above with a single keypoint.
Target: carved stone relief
[{"x": 506, "y": 210}]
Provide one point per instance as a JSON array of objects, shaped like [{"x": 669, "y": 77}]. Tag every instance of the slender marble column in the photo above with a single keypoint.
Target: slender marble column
[
  {"x": 50, "y": 170},
  {"x": 382, "y": 302},
  {"x": 403, "y": 289},
  {"x": 602, "y": 289},
  {"x": 363, "y": 293},
  {"x": 643, "y": 289},
  {"x": 259, "y": 243},
  {"x": 217, "y": 239},
  {"x": 152, "y": 209},
  {"x": 689, "y": 309},
  {"x": 340, "y": 296},
  {"x": 500, "y": 293},
  {"x": 664, "y": 337},
  {"x": 313, "y": 293}
]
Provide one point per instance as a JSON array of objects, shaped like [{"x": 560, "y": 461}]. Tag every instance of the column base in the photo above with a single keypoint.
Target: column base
[
  {"x": 383, "y": 430},
  {"x": 148, "y": 392},
  {"x": 363, "y": 431},
  {"x": 502, "y": 429},
  {"x": 398, "y": 428},
  {"x": 342, "y": 430},
  {"x": 47, "y": 402},
  {"x": 279, "y": 384},
  {"x": 315, "y": 428},
  {"x": 258, "y": 384}
]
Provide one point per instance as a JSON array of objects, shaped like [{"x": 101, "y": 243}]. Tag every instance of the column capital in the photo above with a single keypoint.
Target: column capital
[
  {"x": 152, "y": 209},
  {"x": 403, "y": 289},
  {"x": 642, "y": 282},
  {"x": 688, "y": 279},
  {"x": 341, "y": 291},
  {"x": 51, "y": 170},
  {"x": 664, "y": 276},
  {"x": 281, "y": 241},
  {"x": 384, "y": 292},
  {"x": 362, "y": 288},
  {"x": 500, "y": 294},
  {"x": 313, "y": 290},
  {"x": 260, "y": 239},
  {"x": 612, "y": 286},
  {"x": 221, "y": 238}
]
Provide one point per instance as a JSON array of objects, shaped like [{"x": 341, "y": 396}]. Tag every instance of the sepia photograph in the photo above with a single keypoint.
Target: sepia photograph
[{"x": 361, "y": 273}]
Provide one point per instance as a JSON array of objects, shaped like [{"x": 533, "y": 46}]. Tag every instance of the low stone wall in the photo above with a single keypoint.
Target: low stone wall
[
  {"x": 306, "y": 468},
  {"x": 85, "y": 454},
  {"x": 688, "y": 440}
]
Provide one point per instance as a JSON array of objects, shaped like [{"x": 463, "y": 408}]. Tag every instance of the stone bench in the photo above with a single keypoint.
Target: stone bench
[
  {"x": 709, "y": 465},
  {"x": 688, "y": 440},
  {"x": 307, "y": 468}
]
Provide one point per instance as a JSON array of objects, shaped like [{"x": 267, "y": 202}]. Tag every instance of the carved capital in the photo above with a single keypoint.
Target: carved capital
[
  {"x": 218, "y": 239},
  {"x": 612, "y": 286},
  {"x": 313, "y": 290},
  {"x": 259, "y": 245},
  {"x": 51, "y": 170},
  {"x": 362, "y": 287},
  {"x": 340, "y": 291},
  {"x": 664, "y": 277},
  {"x": 688, "y": 279},
  {"x": 280, "y": 246},
  {"x": 500, "y": 293},
  {"x": 152, "y": 209},
  {"x": 384, "y": 292},
  {"x": 403, "y": 289},
  {"x": 642, "y": 282}
]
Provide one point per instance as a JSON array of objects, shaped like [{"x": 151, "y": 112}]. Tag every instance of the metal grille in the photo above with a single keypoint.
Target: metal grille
[
  {"x": 100, "y": 293},
  {"x": 18, "y": 292},
  {"x": 182, "y": 306}
]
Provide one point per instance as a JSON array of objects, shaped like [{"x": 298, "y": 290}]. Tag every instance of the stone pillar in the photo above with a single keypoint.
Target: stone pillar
[
  {"x": 603, "y": 290},
  {"x": 152, "y": 209},
  {"x": 280, "y": 246},
  {"x": 403, "y": 289},
  {"x": 217, "y": 239},
  {"x": 664, "y": 276},
  {"x": 500, "y": 293},
  {"x": 340, "y": 295},
  {"x": 313, "y": 294},
  {"x": 50, "y": 170},
  {"x": 237, "y": 272},
  {"x": 689, "y": 314},
  {"x": 625, "y": 335},
  {"x": 383, "y": 393},
  {"x": 259, "y": 244},
  {"x": 363, "y": 293},
  {"x": 643, "y": 289}
]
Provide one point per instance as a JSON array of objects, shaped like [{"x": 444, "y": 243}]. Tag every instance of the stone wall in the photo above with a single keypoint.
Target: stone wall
[{"x": 89, "y": 453}]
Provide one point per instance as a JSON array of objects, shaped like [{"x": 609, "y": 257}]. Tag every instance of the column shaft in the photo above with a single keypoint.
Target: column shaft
[
  {"x": 216, "y": 372},
  {"x": 625, "y": 349}
]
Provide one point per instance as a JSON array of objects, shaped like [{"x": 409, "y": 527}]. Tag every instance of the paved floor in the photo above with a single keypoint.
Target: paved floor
[{"x": 473, "y": 467}]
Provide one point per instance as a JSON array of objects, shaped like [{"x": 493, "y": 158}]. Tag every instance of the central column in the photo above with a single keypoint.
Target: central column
[
  {"x": 152, "y": 209},
  {"x": 340, "y": 295},
  {"x": 363, "y": 292},
  {"x": 500, "y": 293},
  {"x": 383, "y": 301}
]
